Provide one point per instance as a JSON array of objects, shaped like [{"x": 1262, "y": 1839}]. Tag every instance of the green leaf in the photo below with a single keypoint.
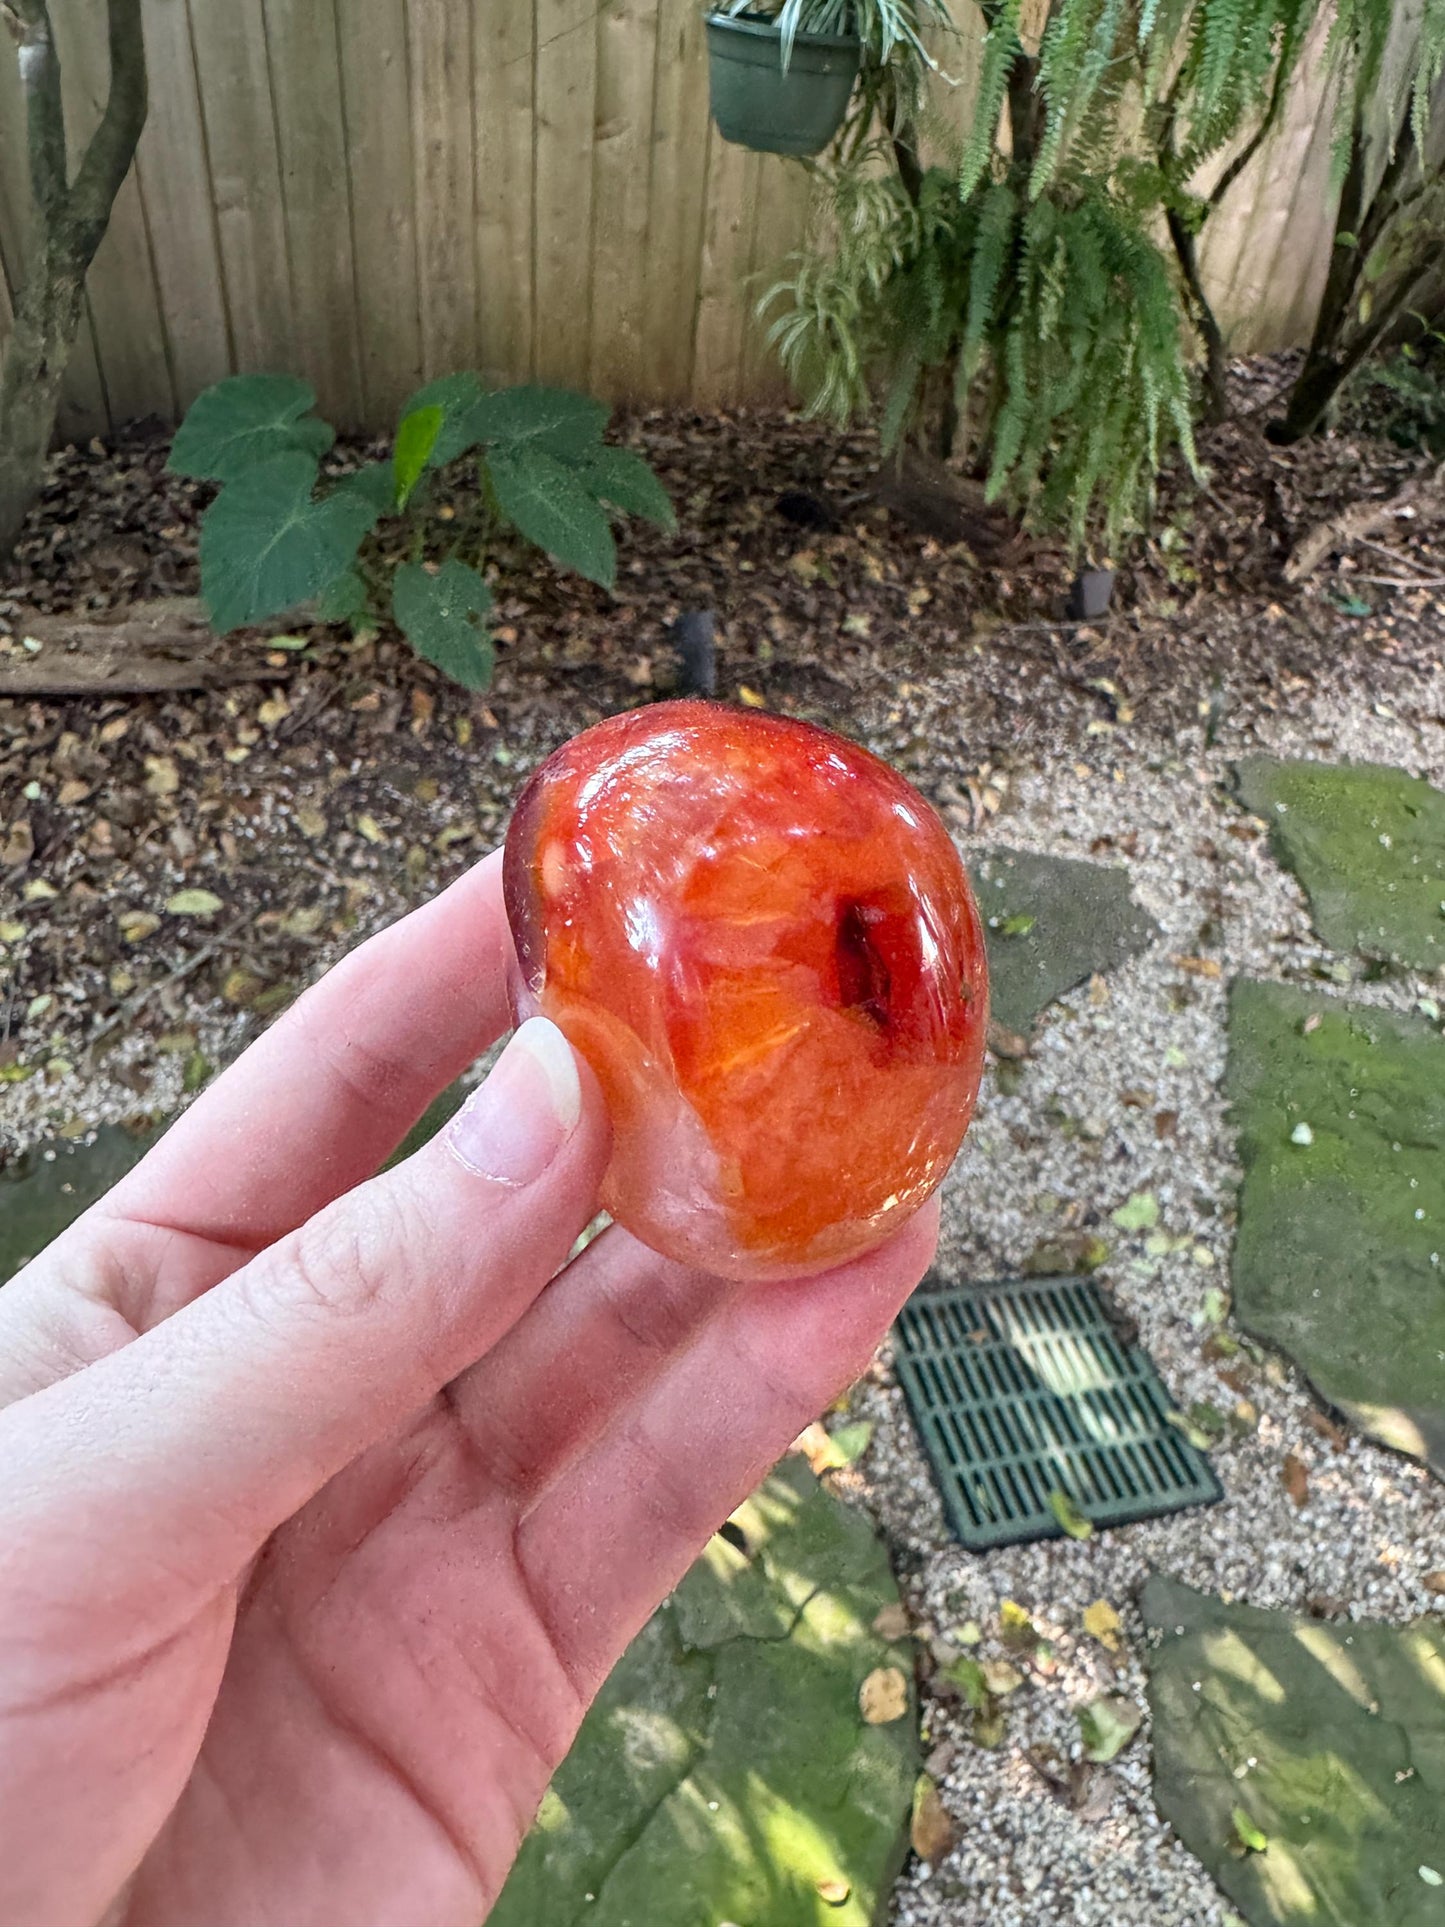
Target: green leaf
[
  {"x": 618, "y": 476},
  {"x": 267, "y": 543},
  {"x": 458, "y": 397},
  {"x": 194, "y": 903},
  {"x": 375, "y": 484},
  {"x": 1247, "y": 1833},
  {"x": 552, "y": 508},
  {"x": 248, "y": 419},
  {"x": 416, "y": 441},
  {"x": 853, "y": 1440},
  {"x": 345, "y": 601},
  {"x": 1019, "y": 926},
  {"x": 440, "y": 616},
  {"x": 1139, "y": 1213},
  {"x": 1069, "y": 1515},
  {"x": 1107, "y": 1725},
  {"x": 553, "y": 419},
  {"x": 968, "y": 1676}
]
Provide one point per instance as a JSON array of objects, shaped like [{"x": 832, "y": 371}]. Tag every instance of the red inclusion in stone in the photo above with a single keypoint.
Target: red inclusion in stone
[{"x": 763, "y": 942}]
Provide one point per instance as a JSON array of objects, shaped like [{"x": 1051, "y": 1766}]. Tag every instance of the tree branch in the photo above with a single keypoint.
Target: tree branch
[
  {"x": 112, "y": 146},
  {"x": 29, "y": 23}
]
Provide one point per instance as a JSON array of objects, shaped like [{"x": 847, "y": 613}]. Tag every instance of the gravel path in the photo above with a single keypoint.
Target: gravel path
[{"x": 1070, "y": 1145}]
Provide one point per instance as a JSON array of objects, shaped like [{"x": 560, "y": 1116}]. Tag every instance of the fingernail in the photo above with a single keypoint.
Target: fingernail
[{"x": 513, "y": 1125}]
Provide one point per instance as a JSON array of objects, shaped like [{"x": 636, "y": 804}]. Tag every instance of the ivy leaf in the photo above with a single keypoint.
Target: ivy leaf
[
  {"x": 267, "y": 543},
  {"x": 458, "y": 397},
  {"x": 618, "y": 476},
  {"x": 440, "y": 616},
  {"x": 1069, "y": 1515},
  {"x": 553, "y": 419},
  {"x": 248, "y": 419},
  {"x": 416, "y": 441},
  {"x": 551, "y": 507},
  {"x": 1107, "y": 1725}
]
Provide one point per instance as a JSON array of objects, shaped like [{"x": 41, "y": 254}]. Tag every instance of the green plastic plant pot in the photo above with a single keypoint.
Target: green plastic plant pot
[{"x": 757, "y": 105}]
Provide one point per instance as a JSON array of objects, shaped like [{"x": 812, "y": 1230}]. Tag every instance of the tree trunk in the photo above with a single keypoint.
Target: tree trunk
[{"x": 69, "y": 221}]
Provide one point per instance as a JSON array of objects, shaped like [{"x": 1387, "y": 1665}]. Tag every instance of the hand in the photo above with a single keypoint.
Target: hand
[{"x": 323, "y": 1514}]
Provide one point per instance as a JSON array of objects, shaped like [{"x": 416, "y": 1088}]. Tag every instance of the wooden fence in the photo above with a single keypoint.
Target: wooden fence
[{"x": 370, "y": 192}]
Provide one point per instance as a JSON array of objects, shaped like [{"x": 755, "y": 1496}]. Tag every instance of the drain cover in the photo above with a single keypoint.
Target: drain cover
[{"x": 1023, "y": 1391}]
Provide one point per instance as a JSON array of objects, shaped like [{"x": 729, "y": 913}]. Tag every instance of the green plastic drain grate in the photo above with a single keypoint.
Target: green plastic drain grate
[{"x": 1022, "y": 1392}]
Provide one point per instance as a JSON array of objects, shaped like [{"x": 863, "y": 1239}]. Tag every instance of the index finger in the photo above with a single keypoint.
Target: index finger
[{"x": 318, "y": 1103}]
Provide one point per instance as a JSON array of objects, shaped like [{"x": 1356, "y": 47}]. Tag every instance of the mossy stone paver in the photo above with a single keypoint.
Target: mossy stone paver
[
  {"x": 725, "y": 1773},
  {"x": 1051, "y": 922},
  {"x": 1340, "y": 1257},
  {"x": 1326, "y": 1740},
  {"x": 1368, "y": 845},
  {"x": 47, "y": 1187}
]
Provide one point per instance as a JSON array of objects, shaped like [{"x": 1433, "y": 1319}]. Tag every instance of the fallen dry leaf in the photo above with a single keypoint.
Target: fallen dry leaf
[
  {"x": 19, "y": 844},
  {"x": 818, "y": 1449},
  {"x": 931, "y": 1832},
  {"x": 274, "y": 710},
  {"x": 162, "y": 776},
  {"x": 1296, "y": 1478},
  {"x": 1101, "y": 1622},
  {"x": 891, "y": 1621},
  {"x": 883, "y": 1696},
  {"x": 1434, "y": 1582},
  {"x": 137, "y": 925},
  {"x": 1199, "y": 966},
  {"x": 310, "y": 821}
]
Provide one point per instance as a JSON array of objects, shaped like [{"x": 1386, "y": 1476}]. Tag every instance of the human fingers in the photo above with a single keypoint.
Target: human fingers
[
  {"x": 592, "y": 1341},
  {"x": 172, "y": 1459},
  {"x": 607, "y": 1540},
  {"x": 319, "y": 1101}
]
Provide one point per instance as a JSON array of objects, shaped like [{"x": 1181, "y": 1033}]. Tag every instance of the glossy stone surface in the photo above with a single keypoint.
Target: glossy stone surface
[{"x": 763, "y": 942}]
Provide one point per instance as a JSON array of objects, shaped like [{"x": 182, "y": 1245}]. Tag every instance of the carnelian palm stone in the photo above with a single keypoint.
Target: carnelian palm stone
[{"x": 763, "y": 942}]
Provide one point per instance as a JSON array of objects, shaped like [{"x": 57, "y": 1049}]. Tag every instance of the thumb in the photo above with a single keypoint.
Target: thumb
[{"x": 221, "y": 1422}]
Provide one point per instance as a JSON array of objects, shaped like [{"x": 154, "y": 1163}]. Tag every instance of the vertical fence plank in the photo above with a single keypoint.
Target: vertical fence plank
[
  {"x": 375, "y": 75},
  {"x": 306, "y": 91},
  {"x": 626, "y": 71},
  {"x": 441, "y": 85},
  {"x": 129, "y": 326},
  {"x": 780, "y": 225},
  {"x": 179, "y": 199},
  {"x": 236, "y": 112},
  {"x": 727, "y": 246},
  {"x": 503, "y": 110},
  {"x": 677, "y": 186},
  {"x": 566, "y": 114}
]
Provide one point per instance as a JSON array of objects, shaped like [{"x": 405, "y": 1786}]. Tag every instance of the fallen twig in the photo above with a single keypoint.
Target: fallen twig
[
  {"x": 1340, "y": 530},
  {"x": 143, "y": 996}
]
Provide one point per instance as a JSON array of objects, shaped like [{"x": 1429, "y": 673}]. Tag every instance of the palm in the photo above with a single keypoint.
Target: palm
[{"x": 387, "y": 1632}]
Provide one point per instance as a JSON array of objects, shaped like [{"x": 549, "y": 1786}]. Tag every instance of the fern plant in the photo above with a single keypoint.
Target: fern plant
[{"x": 1020, "y": 298}]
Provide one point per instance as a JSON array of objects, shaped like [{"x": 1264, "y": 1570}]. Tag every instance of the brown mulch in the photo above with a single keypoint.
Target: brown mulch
[{"x": 349, "y": 780}]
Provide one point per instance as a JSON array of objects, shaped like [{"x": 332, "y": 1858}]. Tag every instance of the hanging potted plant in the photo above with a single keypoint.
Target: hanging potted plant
[{"x": 782, "y": 76}]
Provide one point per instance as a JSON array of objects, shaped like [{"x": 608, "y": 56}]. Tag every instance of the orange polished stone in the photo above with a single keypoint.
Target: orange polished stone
[{"x": 763, "y": 942}]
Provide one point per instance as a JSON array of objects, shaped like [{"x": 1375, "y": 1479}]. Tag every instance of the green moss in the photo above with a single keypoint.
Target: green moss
[
  {"x": 1340, "y": 1257},
  {"x": 725, "y": 1771},
  {"x": 1368, "y": 845},
  {"x": 1326, "y": 1742}
]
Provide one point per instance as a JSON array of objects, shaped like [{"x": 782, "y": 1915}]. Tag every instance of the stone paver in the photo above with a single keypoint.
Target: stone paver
[
  {"x": 1340, "y": 1257},
  {"x": 1302, "y": 1761},
  {"x": 1368, "y": 845},
  {"x": 48, "y": 1186},
  {"x": 1051, "y": 922}
]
